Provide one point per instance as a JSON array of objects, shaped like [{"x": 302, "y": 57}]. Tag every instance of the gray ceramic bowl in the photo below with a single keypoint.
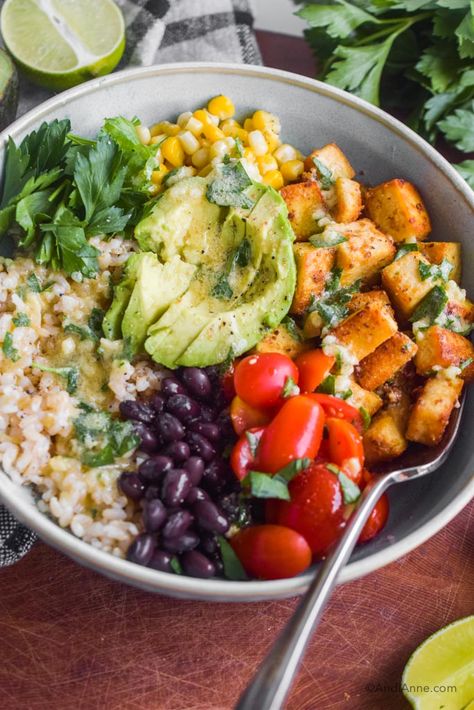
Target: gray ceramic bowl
[{"x": 380, "y": 147}]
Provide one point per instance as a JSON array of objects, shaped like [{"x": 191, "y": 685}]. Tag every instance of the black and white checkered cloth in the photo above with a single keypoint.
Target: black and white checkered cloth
[{"x": 158, "y": 31}]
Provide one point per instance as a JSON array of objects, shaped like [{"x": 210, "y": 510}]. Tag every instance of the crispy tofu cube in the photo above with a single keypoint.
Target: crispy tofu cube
[
  {"x": 435, "y": 252},
  {"x": 403, "y": 283},
  {"x": 348, "y": 197},
  {"x": 363, "y": 298},
  {"x": 303, "y": 199},
  {"x": 430, "y": 414},
  {"x": 288, "y": 341},
  {"x": 333, "y": 158},
  {"x": 363, "y": 398},
  {"x": 440, "y": 347},
  {"x": 397, "y": 209},
  {"x": 462, "y": 311},
  {"x": 313, "y": 264},
  {"x": 365, "y": 252},
  {"x": 385, "y": 361},
  {"x": 385, "y": 438},
  {"x": 363, "y": 331}
]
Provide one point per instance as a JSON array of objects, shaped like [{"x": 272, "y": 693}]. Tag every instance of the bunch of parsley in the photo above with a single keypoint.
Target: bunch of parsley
[
  {"x": 60, "y": 189},
  {"x": 416, "y": 56}
]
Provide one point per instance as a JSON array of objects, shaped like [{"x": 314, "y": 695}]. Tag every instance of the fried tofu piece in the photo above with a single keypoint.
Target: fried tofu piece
[
  {"x": 363, "y": 298},
  {"x": 386, "y": 361},
  {"x": 283, "y": 339},
  {"x": 333, "y": 158},
  {"x": 363, "y": 398},
  {"x": 435, "y": 252},
  {"x": 432, "y": 410},
  {"x": 365, "y": 252},
  {"x": 348, "y": 197},
  {"x": 385, "y": 438},
  {"x": 440, "y": 347},
  {"x": 461, "y": 310},
  {"x": 363, "y": 331},
  {"x": 303, "y": 199},
  {"x": 313, "y": 265},
  {"x": 396, "y": 208},
  {"x": 403, "y": 283}
]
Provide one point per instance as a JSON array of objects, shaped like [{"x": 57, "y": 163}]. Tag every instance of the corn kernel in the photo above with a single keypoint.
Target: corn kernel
[
  {"x": 249, "y": 155},
  {"x": 229, "y": 126},
  {"x": 183, "y": 118},
  {"x": 265, "y": 121},
  {"x": 194, "y": 126},
  {"x": 173, "y": 151},
  {"x": 266, "y": 162},
  {"x": 258, "y": 143},
  {"x": 248, "y": 125},
  {"x": 284, "y": 153},
  {"x": 201, "y": 115},
  {"x": 251, "y": 169},
  {"x": 291, "y": 170},
  {"x": 273, "y": 141},
  {"x": 157, "y": 139},
  {"x": 143, "y": 133},
  {"x": 221, "y": 106},
  {"x": 213, "y": 133},
  {"x": 230, "y": 143},
  {"x": 189, "y": 142},
  {"x": 158, "y": 175},
  {"x": 201, "y": 157},
  {"x": 274, "y": 178},
  {"x": 205, "y": 171},
  {"x": 169, "y": 129},
  {"x": 219, "y": 149}
]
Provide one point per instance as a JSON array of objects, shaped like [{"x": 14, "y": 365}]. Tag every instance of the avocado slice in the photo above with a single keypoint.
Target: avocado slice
[{"x": 122, "y": 292}]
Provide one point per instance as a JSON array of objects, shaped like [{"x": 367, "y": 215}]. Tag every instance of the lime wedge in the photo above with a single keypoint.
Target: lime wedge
[
  {"x": 440, "y": 673},
  {"x": 60, "y": 43}
]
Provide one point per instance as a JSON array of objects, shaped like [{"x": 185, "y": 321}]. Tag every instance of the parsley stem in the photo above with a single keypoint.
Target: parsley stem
[{"x": 391, "y": 31}]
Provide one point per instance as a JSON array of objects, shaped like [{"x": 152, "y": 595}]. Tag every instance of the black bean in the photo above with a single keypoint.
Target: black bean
[
  {"x": 158, "y": 403},
  {"x": 183, "y": 407},
  {"x": 169, "y": 428},
  {"x": 208, "y": 414},
  {"x": 209, "y": 517},
  {"x": 187, "y": 541},
  {"x": 161, "y": 561},
  {"x": 152, "y": 492},
  {"x": 224, "y": 422},
  {"x": 139, "y": 411},
  {"x": 195, "y": 495},
  {"x": 149, "y": 441},
  {"x": 208, "y": 544},
  {"x": 195, "y": 564},
  {"x": 152, "y": 469},
  {"x": 154, "y": 515},
  {"x": 230, "y": 505},
  {"x": 179, "y": 451},
  {"x": 177, "y": 524},
  {"x": 195, "y": 467},
  {"x": 142, "y": 548},
  {"x": 197, "y": 382},
  {"x": 131, "y": 485},
  {"x": 209, "y": 431},
  {"x": 171, "y": 385},
  {"x": 200, "y": 446},
  {"x": 176, "y": 486},
  {"x": 215, "y": 475}
]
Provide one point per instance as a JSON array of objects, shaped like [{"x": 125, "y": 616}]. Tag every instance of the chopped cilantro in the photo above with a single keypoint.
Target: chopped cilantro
[
  {"x": 227, "y": 189},
  {"x": 332, "y": 304},
  {"x": 263, "y": 485},
  {"x": 242, "y": 254},
  {"x": 232, "y": 566},
  {"x": 239, "y": 148},
  {"x": 9, "y": 351},
  {"x": 328, "y": 238},
  {"x": 431, "y": 306},
  {"x": 328, "y": 385},
  {"x": 175, "y": 565},
  {"x": 406, "y": 249},
  {"x": 292, "y": 328},
  {"x": 290, "y": 388},
  {"x": 70, "y": 374},
  {"x": 366, "y": 418},
  {"x": 465, "y": 363},
  {"x": 222, "y": 289},
  {"x": 103, "y": 438},
  {"x": 127, "y": 350},
  {"x": 325, "y": 175},
  {"x": 434, "y": 271},
  {"x": 21, "y": 320},
  {"x": 93, "y": 330},
  {"x": 34, "y": 284},
  {"x": 350, "y": 490}
]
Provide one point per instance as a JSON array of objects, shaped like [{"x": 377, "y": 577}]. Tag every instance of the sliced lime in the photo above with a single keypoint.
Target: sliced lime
[
  {"x": 60, "y": 43},
  {"x": 440, "y": 673}
]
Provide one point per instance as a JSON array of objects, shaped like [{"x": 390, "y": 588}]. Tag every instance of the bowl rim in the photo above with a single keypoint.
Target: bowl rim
[{"x": 215, "y": 589}]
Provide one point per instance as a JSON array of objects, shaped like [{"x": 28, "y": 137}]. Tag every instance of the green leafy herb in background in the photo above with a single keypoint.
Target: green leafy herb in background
[{"x": 416, "y": 56}]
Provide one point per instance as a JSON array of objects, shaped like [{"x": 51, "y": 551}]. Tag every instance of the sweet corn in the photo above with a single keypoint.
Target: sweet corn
[
  {"x": 201, "y": 157},
  {"x": 291, "y": 170},
  {"x": 266, "y": 162},
  {"x": 274, "y": 178},
  {"x": 249, "y": 155},
  {"x": 183, "y": 118},
  {"x": 169, "y": 129},
  {"x": 284, "y": 153},
  {"x": 195, "y": 126},
  {"x": 189, "y": 142},
  {"x": 202, "y": 115},
  {"x": 173, "y": 151},
  {"x": 143, "y": 133},
  {"x": 158, "y": 139},
  {"x": 265, "y": 121},
  {"x": 230, "y": 143},
  {"x": 248, "y": 125},
  {"x": 229, "y": 126},
  {"x": 212, "y": 133},
  {"x": 258, "y": 143},
  {"x": 219, "y": 149},
  {"x": 221, "y": 106},
  {"x": 158, "y": 175},
  {"x": 206, "y": 170},
  {"x": 273, "y": 141}
]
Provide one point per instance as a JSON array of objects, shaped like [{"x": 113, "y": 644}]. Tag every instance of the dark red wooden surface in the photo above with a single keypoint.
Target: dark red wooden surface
[{"x": 70, "y": 639}]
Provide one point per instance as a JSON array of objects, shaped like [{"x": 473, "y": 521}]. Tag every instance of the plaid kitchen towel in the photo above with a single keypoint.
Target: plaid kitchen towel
[{"x": 158, "y": 31}]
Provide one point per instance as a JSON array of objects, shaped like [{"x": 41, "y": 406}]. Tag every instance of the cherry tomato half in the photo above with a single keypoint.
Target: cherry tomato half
[
  {"x": 337, "y": 407},
  {"x": 259, "y": 379},
  {"x": 345, "y": 447},
  {"x": 376, "y": 520},
  {"x": 242, "y": 459},
  {"x": 271, "y": 551},
  {"x": 314, "y": 367},
  {"x": 294, "y": 433},
  {"x": 244, "y": 416},
  {"x": 315, "y": 510}
]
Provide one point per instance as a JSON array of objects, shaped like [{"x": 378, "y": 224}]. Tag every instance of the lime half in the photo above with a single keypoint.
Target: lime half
[
  {"x": 60, "y": 43},
  {"x": 440, "y": 673}
]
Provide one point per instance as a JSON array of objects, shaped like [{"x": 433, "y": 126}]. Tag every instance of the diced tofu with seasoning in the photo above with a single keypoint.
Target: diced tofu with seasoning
[
  {"x": 431, "y": 411},
  {"x": 313, "y": 265},
  {"x": 397, "y": 209},
  {"x": 333, "y": 158},
  {"x": 385, "y": 361},
  {"x": 435, "y": 252},
  {"x": 283, "y": 339},
  {"x": 365, "y": 330},
  {"x": 385, "y": 438},
  {"x": 303, "y": 200},
  {"x": 403, "y": 283},
  {"x": 363, "y": 398},
  {"x": 365, "y": 252},
  {"x": 440, "y": 347},
  {"x": 348, "y": 196},
  {"x": 363, "y": 298}
]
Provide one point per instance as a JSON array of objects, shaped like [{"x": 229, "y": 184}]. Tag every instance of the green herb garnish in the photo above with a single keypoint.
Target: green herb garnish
[
  {"x": 366, "y": 418},
  {"x": 405, "y": 249},
  {"x": 433, "y": 271},
  {"x": 431, "y": 306},
  {"x": 232, "y": 566},
  {"x": 263, "y": 485},
  {"x": 290, "y": 388},
  {"x": 222, "y": 289},
  {"x": 8, "y": 350},
  {"x": 175, "y": 565},
  {"x": 103, "y": 438},
  {"x": 253, "y": 441},
  {"x": 70, "y": 374},
  {"x": 350, "y": 490},
  {"x": 332, "y": 304},
  {"x": 328, "y": 238},
  {"x": 21, "y": 320},
  {"x": 328, "y": 385},
  {"x": 228, "y": 188},
  {"x": 325, "y": 175},
  {"x": 292, "y": 328}
]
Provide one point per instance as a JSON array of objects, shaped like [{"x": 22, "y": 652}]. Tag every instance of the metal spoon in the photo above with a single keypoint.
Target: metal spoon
[{"x": 272, "y": 682}]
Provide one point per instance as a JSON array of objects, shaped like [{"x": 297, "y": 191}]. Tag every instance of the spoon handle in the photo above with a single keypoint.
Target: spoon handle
[{"x": 271, "y": 683}]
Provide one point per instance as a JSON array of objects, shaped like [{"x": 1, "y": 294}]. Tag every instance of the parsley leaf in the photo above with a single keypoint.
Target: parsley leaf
[
  {"x": 332, "y": 304},
  {"x": 93, "y": 329},
  {"x": 65, "y": 246},
  {"x": 292, "y": 328},
  {"x": 431, "y": 305},
  {"x": 290, "y": 388},
  {"x": 458, "y": 128},
  {"x": 228, "y": 188},
  {"x": 232, "y": 566},
  {"x": 264, "y": 485},
  {"x": 324, "y": 174},
  {"x": 466, "y": 170},
  {"x": 328, "y": 238},
  {"x": 70, "y": 374},
  {"x": 8, "y": 349},
  {"x": 21, "y": 320},
  {"x": 435, "y": 271},
  {"x": 328, "y": 385},
  {"x": 339, "y": 20},
  {"x": 405, "y": 249},
  {"x": 222, "y": 288},
  {"x": 175, "y": 565},
  {"x": 350, "y": 490},
  {"x": 366, "y": 418},
  {"x": 103, "y": 438}
]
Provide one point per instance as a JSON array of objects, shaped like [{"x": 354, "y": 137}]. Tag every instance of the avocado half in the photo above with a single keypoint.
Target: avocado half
[
  {"x": 210, "y": 281},
  {"x": 8, "y": 90}
]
